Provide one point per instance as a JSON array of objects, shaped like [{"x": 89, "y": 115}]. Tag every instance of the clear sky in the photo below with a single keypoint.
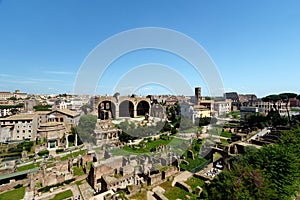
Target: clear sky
[{"x": 255, "y": 44}]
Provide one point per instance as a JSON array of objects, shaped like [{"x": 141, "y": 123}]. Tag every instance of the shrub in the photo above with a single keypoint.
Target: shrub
[
  {"x": 42, "y": 153},
  {"x": 59, "y": 150}
]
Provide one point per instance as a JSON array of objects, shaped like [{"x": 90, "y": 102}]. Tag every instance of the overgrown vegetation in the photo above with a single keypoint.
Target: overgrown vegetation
[
  {"x": 27, "y": 146},
  {"x": 273, "y": 172},
  {"x": 43, "y": 153},
  {"x": 150, "y": 145},
  {"x": 42, "y": 108},
  {"x": 20, "y": 105},
  {"x": 193, "y": 164},
  {"x": 86, "y": 127},
  {"x": 27, "y": 167}
]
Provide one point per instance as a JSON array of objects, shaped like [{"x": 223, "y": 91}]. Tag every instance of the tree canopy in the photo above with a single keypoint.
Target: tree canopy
[
  {"x": 272, "y": 172},
  {"x": 86, "y": 127}
]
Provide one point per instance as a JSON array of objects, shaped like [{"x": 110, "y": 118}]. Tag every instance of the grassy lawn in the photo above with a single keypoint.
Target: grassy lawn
[
  {"x": 194, "y": 182},
  {"x": 295, "y": 109},
  {"x": 139, "y": 195},
  {"x": 79, "y": 182},
  {"x": 198, "y": 161},
  {"x": 73, "y": 155},
  {"x": 190, "y": 130},
  {"x": 224, "y": 142},
  {"x": 27, "y": 167},
  {"x": 78, "y": 171},
  {"x": 63, "y": 195},
  {"x": 195, "y": 164},
  {"x": 175, "y": 192},
  {"x": 234, "y": 114},
  {"x": 148, "y": 146},
  {"x": 120, "y": 152},
  {"x": 15, "y": 194},
  {"x": 215, "y": 130},
  {"x": 226, "y": 134}
]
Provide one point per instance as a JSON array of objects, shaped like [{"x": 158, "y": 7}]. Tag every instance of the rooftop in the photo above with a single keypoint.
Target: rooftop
[{"x": 19, "y": 117}]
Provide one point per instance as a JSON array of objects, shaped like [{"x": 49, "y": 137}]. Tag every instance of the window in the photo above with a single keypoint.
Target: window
[{"x": 23, "y": 131}]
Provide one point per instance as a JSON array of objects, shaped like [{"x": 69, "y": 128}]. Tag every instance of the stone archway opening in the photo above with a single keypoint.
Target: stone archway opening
[
  {"x": 143, "y": 108},
  {"x": 106, "y": 110},
  {"x": 126, "y": 109}
]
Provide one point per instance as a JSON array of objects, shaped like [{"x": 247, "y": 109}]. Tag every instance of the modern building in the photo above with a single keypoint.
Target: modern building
[
  {"x": 21, "y": 126},
  {"x": 221, "y": 108},
  {"x": 5, "y": 95}
]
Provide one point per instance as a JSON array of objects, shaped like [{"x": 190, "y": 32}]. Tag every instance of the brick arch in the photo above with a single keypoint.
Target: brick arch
[
  {"x": 106, "y": 109},
  {"x": 126, "y": 108},
  {"x": 143, "y": 107}
]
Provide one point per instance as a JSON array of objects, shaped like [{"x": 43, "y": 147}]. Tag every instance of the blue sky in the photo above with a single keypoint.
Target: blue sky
[{"x": 254, "y": 44}]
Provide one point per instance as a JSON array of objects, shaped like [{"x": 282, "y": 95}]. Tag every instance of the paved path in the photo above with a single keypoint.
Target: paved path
[
  {"x": 214, "y": 136},
  {"x": 50, "y": 195},
  {"x": 150, "y": 195},
  {"x": 260, "y": 134},
  {"x": 86, "y": 191},
  {"x": 28, "y": 196},
  {"x": 182, "y": 177}
]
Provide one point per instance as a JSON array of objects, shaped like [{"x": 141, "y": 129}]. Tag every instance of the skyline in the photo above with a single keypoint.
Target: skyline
[{"x": 253, "y": 44}]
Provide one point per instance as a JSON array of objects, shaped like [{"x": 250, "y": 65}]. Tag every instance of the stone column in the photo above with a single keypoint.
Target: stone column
[
  {"x": 76, "y": 138},
  {"x": 67, "y": 141},
  {"x": 134, "y": 110},
  {"x": 117, "y": 114}
]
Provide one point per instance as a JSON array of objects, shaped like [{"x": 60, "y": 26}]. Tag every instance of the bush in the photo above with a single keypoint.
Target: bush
[
  {"x": 59, "y": 150},
  {"x": 47, "y": 188},
  {"x": 18, "y": 186},
  {"x": 43, "y": 153}
]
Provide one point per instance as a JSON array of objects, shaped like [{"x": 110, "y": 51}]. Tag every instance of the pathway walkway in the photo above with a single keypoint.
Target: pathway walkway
[{"x": 182, "y": 177}]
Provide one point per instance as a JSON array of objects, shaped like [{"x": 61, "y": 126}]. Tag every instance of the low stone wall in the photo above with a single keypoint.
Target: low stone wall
[
  {"x": 184, "y": 186},
  {"x": 159, "y": 196},
  {"x": 10, "y": 186},
  {"x": 155, "y": 178}
]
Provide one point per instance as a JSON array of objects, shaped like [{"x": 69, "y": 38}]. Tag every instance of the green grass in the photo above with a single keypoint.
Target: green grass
[
  {"x": 15, "y": 194},
  {"x": 78, "y": 171},
  {"x": 63, "y": 195},
  {"x": 142, "y": 194},
  {"x": 79, "y": 182},
  {"x": 295, "y": 109},
  {"x": 194, "y": 182},
  {"x": 226, "y": 134},
  {"x": 224, "y": 142},
  {"x": 195, "y": 164},
  {"x": 89, "y": 165},
  {"x": 147, "y": 146},
  {"x": 234, "y": 114},
  {"x": 190, "y": 130},
  {"x": 27, "y": 167},
  {"x": 73, "y": 155},
  {"x": 175, "y": 192}
]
